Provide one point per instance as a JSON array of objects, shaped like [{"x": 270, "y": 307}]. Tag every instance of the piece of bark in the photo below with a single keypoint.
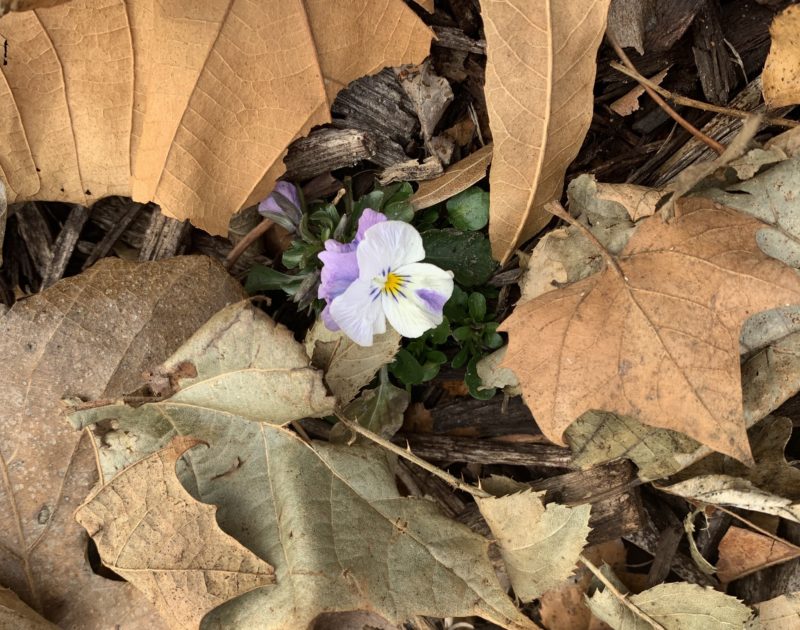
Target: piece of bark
[
  {"x": 469, "y": 416},
  {"x": 412, "y": 170},
  {"x": 664, "y": 555},
  {"x": 627, "y": 20},
  {"x": 34, "y": 230},
  {"x": 445, "y": 448},
  {"x": 106, "y": 214},
  {"x": 714, "y": 65},
  {"x": 111, "y": 237},
  {"x": 668, "y": 22},
  {"x": 65, "y": 244},
  {"x": 326, "y": 150},
  {"x": 457, "y": 39},
  {"x": 467, "y": 13},
  {"x": 165, "y": 237}
]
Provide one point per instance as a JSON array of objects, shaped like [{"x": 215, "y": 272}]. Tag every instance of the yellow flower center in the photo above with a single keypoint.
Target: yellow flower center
[{"x": 393, "y": 283}]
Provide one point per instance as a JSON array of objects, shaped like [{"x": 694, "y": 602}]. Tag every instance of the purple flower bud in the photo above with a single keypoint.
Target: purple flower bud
[{"x": 283, "y": 206}]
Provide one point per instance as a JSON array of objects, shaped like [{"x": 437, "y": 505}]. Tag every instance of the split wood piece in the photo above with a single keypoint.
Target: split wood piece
[
  {"x": 714, "y": 65},
  {"x": 467, "y": 416},
  {"x": 412, "y": 170},
  {"x": 106, "y": 214},
  {"x": 34, "y": 230},
  {"x": 326, "y": 150},
  {"x": 444, "y": 448},
  {"x": 164, "y": 238},
  {"x": 457, "y": 39},
  {"x": 111, "y": 237},
  {"x": 65, "y": 244},
  {"x": 664, "y": 556},
  {"x": 773, "y": 581}
]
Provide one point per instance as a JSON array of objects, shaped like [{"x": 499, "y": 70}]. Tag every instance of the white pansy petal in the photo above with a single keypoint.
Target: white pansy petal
[
  {"x": 409, "y": 317},
  {"x": 388, "y": 245},
  {"x": 359, "y": 315},
  {"x": 427, "y": 276}
]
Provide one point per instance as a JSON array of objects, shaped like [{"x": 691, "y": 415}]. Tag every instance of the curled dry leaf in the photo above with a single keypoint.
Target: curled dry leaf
[
  {"x": 540, "y": 73},
  {"x": 454, "y": 180},
  {"x": 139, "y": 94},
  {"x": 16, "y": 615},
  {"x": 658, "y": 337},
  {"x": 150, "y": 531},
  {"x": 744, "y": 551},
  {"x": 781, "y": 76},
  {"x": 89, "y": 336}
]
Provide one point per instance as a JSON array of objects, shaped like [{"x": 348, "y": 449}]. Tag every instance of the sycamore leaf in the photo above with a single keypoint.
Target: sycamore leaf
[
  {"x": 781, "y": 77},
  {"x": 539, "y": 91},
  {"x": 187, "y": 104},
  {"x": 454, "y": 180},
  {"x": 348, "y": 367},
  {"x": 16, "y": 615},
  {"x": 153, "y": 533},
  {"x": 540, "y": 544},
  {"x": 676, "y": 606},
  {"x": 328, "y": 517},
  {"x": 744, "y": 551},
  {"x": 658, "y": 339},
  {"x": 778, "y": 614},
  {"x": 89, "y": 336}
]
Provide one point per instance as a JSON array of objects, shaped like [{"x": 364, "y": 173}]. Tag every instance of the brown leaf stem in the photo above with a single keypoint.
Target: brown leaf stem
[
  {"x": 690, "y": 102},
  {"x": 716, "y": 146},
  {"x": 247, "y": 240}
]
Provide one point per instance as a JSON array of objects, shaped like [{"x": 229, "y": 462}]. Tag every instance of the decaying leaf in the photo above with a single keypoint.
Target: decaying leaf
[
  {"x": 150, "y": 531},
  {"x": 26, "y": 5},
  {"x": 539, "y": 88},
  {"x": 744, "y": 551},
  {"x": 780, "y": 613},
  {"x": 676, "y": 606},
  {"x": 348, "y": 367},
  {"x": 185, "y": 104},
  {"x": 781, "y": 76},
  {"x": 540, "y": 544},
  {"x": 327, "y": 517},
  {"x": 629, "y": 103},
  {"x": 88, "y": 336},
  {"x": 688, "y": 527},
  {"x": 657, "y": 339},
  {"x": 381, "y": 410},
  {"x": 17, "y": 615},
  {"x": 3, "y": 217},
  {"x": 492, "y": 375},
  {"x": 454, "y": 180}
]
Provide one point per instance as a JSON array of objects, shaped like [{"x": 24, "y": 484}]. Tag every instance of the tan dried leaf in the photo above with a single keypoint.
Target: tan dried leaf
[
  {"x": 539, "y": 92},
  {"x": 744, "y": 551},
  {"x": 27, "y": 5},
  {"x": 187, "y": 104},
  {"x": 150, "y": 531},
  {"x": 781, "y": 77},
  {"x": 454, "y": 180},
  {"x": 17, "y": 615},
  {"x": 658, "y": 339},
  {"x": 3, "y": 216},
  {"x": 90, "y": 336},
  {"x": 780, "y": 613},
  {"x": 627, "y": 104},
  {"x": 348, "y": 367}
]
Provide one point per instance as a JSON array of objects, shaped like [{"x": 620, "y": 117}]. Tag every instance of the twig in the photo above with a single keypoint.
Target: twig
[
  {"x": 690, "y": 102},
  {"x": 616, "y": 593},
  {"x": 406, "y": 453},
  {"x": 247, "y": 240},
  {"x": 716, "y": 146},
  {"x": 556, "y": 209}
]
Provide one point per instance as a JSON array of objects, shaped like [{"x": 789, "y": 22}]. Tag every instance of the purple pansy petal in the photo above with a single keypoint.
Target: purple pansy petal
[
  {"x": 339, "y": 270},
  {"x": 432, "y": 300},
  {"x": 327, "y": 319},
  {"x": 340, "y": 248},
  {"x": 368, "y": 218},
  {"x": 288, "y": 190}
]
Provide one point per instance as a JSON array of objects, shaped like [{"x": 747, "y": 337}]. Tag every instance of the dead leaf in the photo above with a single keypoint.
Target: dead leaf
[
  {"x": 539, "y": 93},
  {"x": 16, "y": 615},
  {"x": 492, "y": 375},
  {"x": 780, "y": 613},
  {"x": 3, "y": 216},
  {"x": 629, "y": 103},
  {"x": 381, "y": 410},
  {"x": 89, "y": 336},
  {"x": 743, "y": 551},
  {"x": 781, "y": 76},
  {"x": 150, "y": 531},
  {"x": 660, "y": 341},
  {"x": 26, "y": 5},
  {"x": 688, "y": 527},
  {"x": 426, "y": 4},
  {"x": 539, "y": 544},
  {"x": 454, "y": 180},
  {"x": 429, "y": 93},
  {"x": 348, "y": 367},
  {"x": 139, "y": 95}
]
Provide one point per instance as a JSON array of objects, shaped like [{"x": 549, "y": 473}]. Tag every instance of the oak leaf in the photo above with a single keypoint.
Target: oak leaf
[
  {"x": 655, "y": 337},
  {"x": 88, "y": 336},
  {"x": 153, "y": 533},
  {"x": 540, "y": 73},
  {"x": 187, "y": 104}
]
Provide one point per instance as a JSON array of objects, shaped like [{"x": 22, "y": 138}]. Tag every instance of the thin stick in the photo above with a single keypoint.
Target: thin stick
[
  {"x": 556, "y": 209},
  {"x": 247, "y": 240},
  {"x": 690, "y": 102},
  {"x": 406, "y": 453},
  {"x": 716, "y": 146},
  {"x": 616, "y": 593}
]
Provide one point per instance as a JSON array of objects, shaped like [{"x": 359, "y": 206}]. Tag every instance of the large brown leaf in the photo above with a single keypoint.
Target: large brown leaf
[
  {"x": 88, "y": 336},
  {"x": 539, "y": 81},
  {"x": 660, "y": 341},
  {"x": 188, "y": 104}
]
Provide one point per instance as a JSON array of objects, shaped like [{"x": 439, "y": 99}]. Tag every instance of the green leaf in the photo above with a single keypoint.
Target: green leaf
[
  {"x": 462, "y": 333},
  {"x": 407, "y": 368},
  {"x": 380, "y": 410},
  {"x": 492, "y": 339},
  {"x": 456, "y": 309},
  {"x": 467, "y": 254},
  {"x": 469, "y": 210},
  {"x": 439, "y": 335},
  {"x": 435, "y": 356},
  {"x": 399, "y": 211},
  {"x": 477, "y": 306},
  {"x": 262, "y": 278},
  {"x": 460, "y": 359}
]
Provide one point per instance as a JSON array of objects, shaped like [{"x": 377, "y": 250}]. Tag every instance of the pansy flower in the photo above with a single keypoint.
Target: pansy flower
[
  {"x": 283, "y": 206},
  {"x": 391, "y": 283}
]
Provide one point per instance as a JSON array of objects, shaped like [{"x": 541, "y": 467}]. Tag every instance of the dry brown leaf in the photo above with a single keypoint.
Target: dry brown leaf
[
  {"x": 454, "y": 180},
  {"x": 16, "y": 615},
  {"x": 744, "y": 551},
  {"x": 426, "y": 4},
  {"x": 539, "y": 92},
  {"x": 168, "y": 544},
  {"x": 660, "y": 341},
  {"x": 27, "y": 5},
  {"x": 629, "y": 103},
  {"x": 781, "y": 77},
  {"x": 780, "y": 613},
  {"x": 188, "y": 104},
  {"x": 89, "y": 336}
]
